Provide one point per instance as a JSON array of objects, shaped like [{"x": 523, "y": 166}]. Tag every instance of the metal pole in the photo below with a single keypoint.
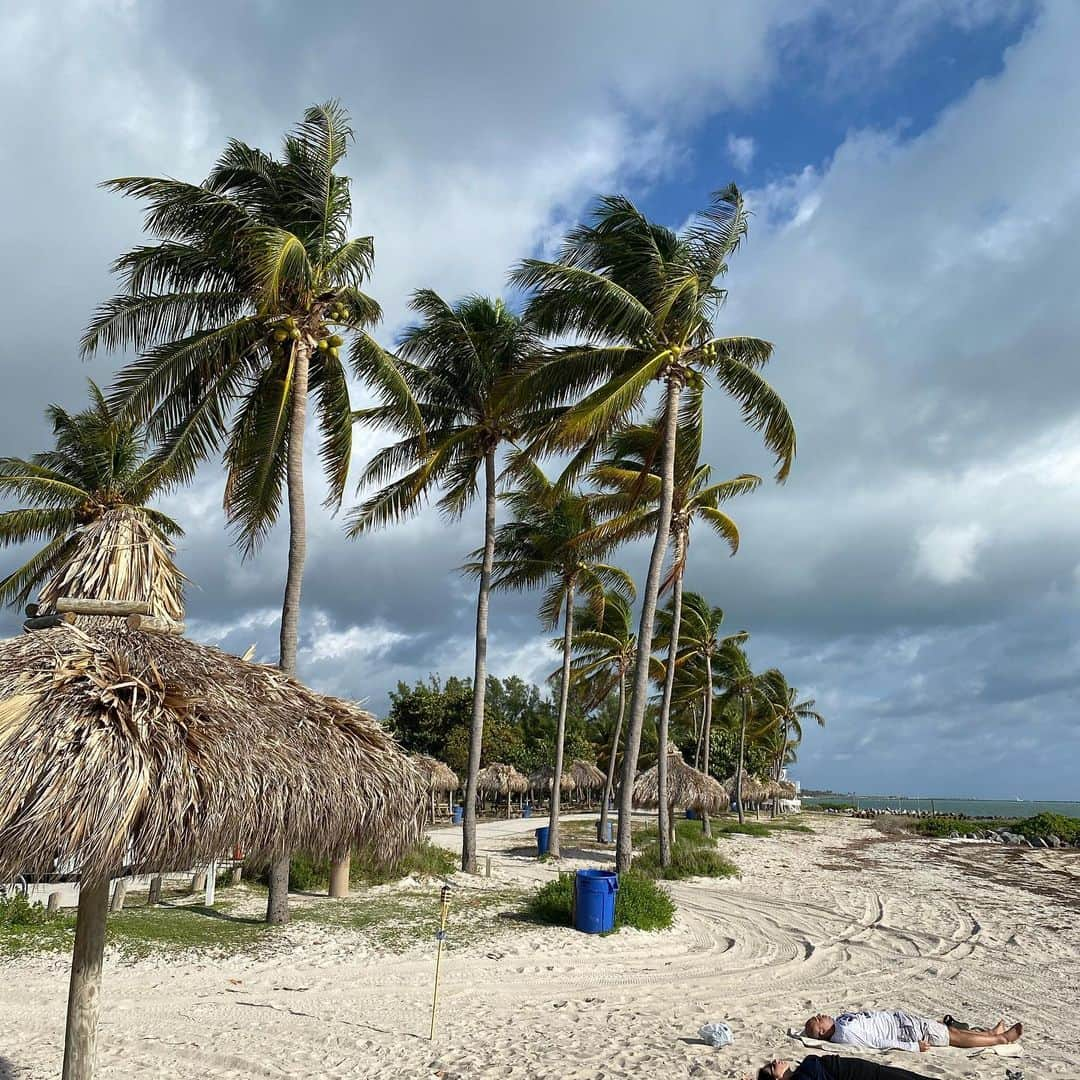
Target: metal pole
[{"x": 444, "y": 901}]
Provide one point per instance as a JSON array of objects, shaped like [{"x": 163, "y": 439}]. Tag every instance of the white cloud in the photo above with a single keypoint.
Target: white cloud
[
  {"x": 946, "y": 554},
  {"x": 741, "y": 150}
]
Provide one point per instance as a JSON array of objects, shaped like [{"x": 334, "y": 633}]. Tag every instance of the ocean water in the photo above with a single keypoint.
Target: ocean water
[{"x": 1003, "y": 808}]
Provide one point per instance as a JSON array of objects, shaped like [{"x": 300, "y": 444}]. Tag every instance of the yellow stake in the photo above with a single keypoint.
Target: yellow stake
[{"x": 440, "y": 937}]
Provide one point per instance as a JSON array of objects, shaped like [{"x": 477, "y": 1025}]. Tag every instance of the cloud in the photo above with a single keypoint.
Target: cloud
[{"x": 741, "y": 150}]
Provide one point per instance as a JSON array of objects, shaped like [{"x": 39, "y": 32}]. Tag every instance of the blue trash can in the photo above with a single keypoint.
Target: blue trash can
[
  {"x": 459, "y": 814},
  {"x": 594, "y": 900},
  {"x": 605, "y": 837},
  {"x": 526, "y": 810},
  {"x": 691, "y": 815},
  {"x": 542, "y": 836}
]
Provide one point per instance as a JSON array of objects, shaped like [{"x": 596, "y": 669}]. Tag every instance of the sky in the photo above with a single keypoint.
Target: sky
[{"x": 914, "y": 171}]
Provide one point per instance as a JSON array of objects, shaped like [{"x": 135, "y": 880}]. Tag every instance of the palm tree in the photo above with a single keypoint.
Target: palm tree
[
  {"x": 238, "y": 308},
  {"x": 700, "y": 642},
  {"x": 629, "y": 476},
  {"x": 791, "y": 714},
  {"x": 643, "y": 298},
  {"x": 751, "y": 694},
  {"x": 100, "y": 466},
  {"x": 551, "y": 544},
  {"x": 462, "y": 364},
  {"x": 604, "y": 651}
]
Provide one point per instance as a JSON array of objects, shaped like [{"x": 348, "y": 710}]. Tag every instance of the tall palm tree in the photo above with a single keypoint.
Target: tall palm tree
[
  {"x": 643, "y": 299},
  {"x": 101, "y": 466},
  {"x": 462, "y": 364},
  {"x": 239, "y": 307},
  {"x": 790, "y": 714},
  {"x": 629, "y": 476},
  {"x": 700, "y": 642},
  {"x": 551, "y": 544},
  {"x": 751, "y": 695},
  {"x": 604, "y": 651}
]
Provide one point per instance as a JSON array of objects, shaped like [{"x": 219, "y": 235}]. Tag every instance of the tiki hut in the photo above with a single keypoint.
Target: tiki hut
[
  {"x": 688, "y": 789},
  {"x": 753, "y": 791},
  {"x": 500, "y": 779},
  {"x": 588, "y": 779},
  {"x": 125, "y": 750},
  {"x": 441, "y": 779},
  {"x": 544, "y": 780}
]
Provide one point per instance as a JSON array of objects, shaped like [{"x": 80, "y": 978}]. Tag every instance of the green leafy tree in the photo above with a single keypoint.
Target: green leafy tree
[
  {"x": 423, "y": 715},
  {"x": 633, "y": 487},
  {"x": 463, "y": 364},
  {"x": 643, "y": 299},
  {"x": 551, "y": 544},
  {"x": 101, "y": 464},
  {"x": 239, "y": 308}
]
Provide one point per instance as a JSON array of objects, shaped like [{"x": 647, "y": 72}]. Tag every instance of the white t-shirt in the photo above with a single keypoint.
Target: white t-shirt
[{"x": 880, "y": 1030}]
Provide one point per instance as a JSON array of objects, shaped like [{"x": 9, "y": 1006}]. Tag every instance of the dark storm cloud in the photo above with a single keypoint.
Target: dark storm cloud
[{"x": 917, "y": 574}]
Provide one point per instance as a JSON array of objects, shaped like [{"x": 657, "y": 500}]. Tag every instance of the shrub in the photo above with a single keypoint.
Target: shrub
[
  {"x": 423, "y": 860},
  {"x": 640, "y": 903},
  {"x": 16, "y": 910},
  {"x": 687, "y": 860},
  {"x": 1044, "y": 825}
]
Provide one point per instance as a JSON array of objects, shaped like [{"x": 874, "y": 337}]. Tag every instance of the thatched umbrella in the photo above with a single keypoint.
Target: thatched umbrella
[
  {"x": 588, "y": 779},
  {"x": 544, "y": 780},
  {"x": 688, "y": 788},
  {"x": 502, "y": 779},
  {"x": 788, "y": 790},
  {"x": 121, "y": 557},
  {"x": 122, "y": 748},
  {"x": 441, "y": 779},
  {"x": 753, "y": 791}
]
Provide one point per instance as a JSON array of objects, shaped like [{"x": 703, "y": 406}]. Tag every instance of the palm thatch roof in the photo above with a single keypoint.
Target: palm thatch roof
[
  {"x": 544, "y": 780},
  {"x": 587, "y": 777},
  {"x": 125, "y": 748},
  {"x": 688, "y": 788},
  {"x": 439, "y": 777},
  {"x": 120, "y": 556},
  {"x": 788, "y": 790},
  {"x": 500, "y": 778},
  {"x": 753, "y": 790}
]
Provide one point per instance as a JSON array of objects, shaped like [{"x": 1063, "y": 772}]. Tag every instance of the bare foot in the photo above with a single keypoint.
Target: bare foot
[
  {"x": 1014, "y": 1032},
  {"x": 999, "y": 1028}
]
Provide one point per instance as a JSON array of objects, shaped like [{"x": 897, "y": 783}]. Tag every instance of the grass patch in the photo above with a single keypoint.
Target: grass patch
[
  {"x": 142, "y": 931},
  {"x": 640, "y": 903},
  {"x": 424, "y": 860},
  {"x": 1043, "y": 825},
  {"x": 692, "y": 855},
  {"x": 29, "y": 928}
]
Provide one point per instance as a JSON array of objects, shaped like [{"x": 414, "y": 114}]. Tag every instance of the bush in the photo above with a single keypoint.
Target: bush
[
  {"x": 687, "y": 861},
  {"x": 423, "y": 860},
  {"x": 1044, "y": 825},
  {"x": 16, "y": 910},
  {"x": 640, "y": 903}
]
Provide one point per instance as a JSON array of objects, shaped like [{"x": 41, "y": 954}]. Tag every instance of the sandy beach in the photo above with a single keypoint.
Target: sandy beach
[{"x": 845, "y": 917}]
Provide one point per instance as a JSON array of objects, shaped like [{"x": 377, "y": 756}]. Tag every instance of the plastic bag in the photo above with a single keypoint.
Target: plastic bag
[{"x": 716, "y": 1034}]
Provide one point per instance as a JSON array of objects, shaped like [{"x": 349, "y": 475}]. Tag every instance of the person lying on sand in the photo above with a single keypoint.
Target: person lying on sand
[
  {"x": 899, "y": 1030},
  {"x": 833, "y": 1067}
]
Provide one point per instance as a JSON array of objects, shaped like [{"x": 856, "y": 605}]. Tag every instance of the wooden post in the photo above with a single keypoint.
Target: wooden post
[
  {"x": 101, "y": 607},
  {"x": 339, "y": 876},
  {"x": 54, "y": 903},
  {"x": 211, "y": 884},
  {"x": 84, "y": 993},
  {"x": 149, "y": 624},
  {"x": 155, "y": 891},
  {"x": 237, "y": 874},
  {"x": 119, "y": 892},
  {"x": 198, "y": 881},
  {"x": 487, "y": 866}
]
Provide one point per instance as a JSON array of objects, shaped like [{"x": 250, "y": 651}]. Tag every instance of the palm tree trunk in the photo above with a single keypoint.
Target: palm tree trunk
[
  {"x": 742, "y": 754},
  {"x": 609, "y": 784},
  {"x": 665, "y": 705},
  {"x": 697, "y": 736},
  {"x": 625, "y": 849},
  {"x": 560, "y": 732},
  {"x": 277, "y": 901},
  {"x": 476, "y": 737},
  {"x": 706, "y": 735}
]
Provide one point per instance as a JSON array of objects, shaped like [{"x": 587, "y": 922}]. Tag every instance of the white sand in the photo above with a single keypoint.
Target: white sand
[{"x": 816, "y": 923}]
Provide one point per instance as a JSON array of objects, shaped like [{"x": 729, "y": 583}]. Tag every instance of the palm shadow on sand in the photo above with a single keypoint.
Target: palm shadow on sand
[{"x": 7, "y": 1070}]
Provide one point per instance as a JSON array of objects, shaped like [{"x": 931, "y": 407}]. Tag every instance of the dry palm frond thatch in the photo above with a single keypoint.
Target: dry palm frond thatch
[
  {"x": 587, "y": 777},
  {"x": 788, "y": 790},
  {"x": 127, "y": 749},
  {"x": 544, "y": 780},
  {"x": 688, "y": 787},
  {"x": 120, "y": 556},
  {"x": 439, "y": 777},
  {"x": 753, "y": 790},
  {"x": 501, "y": 779}
]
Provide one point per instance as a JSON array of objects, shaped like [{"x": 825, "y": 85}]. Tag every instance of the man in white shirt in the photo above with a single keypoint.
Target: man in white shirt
[{"x": 899, "y": 1030}]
